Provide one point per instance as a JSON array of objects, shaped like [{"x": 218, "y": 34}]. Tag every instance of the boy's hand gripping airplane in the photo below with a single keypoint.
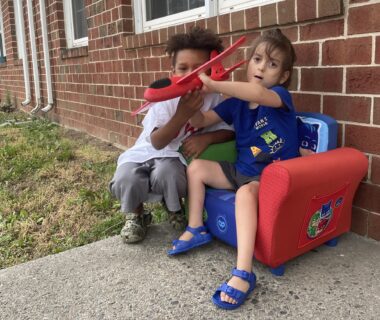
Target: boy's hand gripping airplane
[{"x": 169, "y": 88}]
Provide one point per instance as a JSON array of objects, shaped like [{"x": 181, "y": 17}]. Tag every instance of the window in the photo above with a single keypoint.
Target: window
[
  {"x": 2, "y": 39},
  {"x": 154, "y": 14},
  {"x": 75, "y": 23}
]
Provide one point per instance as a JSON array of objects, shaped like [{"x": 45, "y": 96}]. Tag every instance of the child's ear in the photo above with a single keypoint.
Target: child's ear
[
  {"x": 284, "y": 77},
  {"x": 172, "y": 70}
]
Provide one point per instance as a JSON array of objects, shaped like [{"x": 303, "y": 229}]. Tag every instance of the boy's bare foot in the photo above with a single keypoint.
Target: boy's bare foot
[{"x": 236, "y": 283}]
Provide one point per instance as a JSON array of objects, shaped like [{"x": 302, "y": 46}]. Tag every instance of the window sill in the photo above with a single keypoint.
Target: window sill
[{"x": 68, "y": 53}]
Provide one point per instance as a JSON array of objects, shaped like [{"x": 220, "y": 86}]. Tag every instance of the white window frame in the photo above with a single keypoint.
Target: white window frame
[
  {"x": 2, "y": 34},
  {"x": 20, "y": 52},
  {"x": 226, "y": 6},
  {"x": 210, "y": 9},
  {"x": 69, "y": 27}
]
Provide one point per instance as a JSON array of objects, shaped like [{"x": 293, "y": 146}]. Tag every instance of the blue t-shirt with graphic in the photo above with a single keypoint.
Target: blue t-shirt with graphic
[{"x": 264, "y": 134}]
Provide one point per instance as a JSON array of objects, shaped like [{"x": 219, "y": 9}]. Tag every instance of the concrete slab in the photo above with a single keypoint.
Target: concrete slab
[{"x": 111, "y": 280}]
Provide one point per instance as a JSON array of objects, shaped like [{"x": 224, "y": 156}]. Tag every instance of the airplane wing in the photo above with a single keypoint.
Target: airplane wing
[{"x": 212, "y": 61}]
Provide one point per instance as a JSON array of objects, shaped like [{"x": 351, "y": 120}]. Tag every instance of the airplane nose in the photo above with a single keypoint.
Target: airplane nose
[{"x": 160, "y": 83}]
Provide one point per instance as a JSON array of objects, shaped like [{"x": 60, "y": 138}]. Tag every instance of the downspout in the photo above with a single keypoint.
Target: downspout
[
  {"x": 25, "y": 55},
  {"x": 45, "y": 43},
  {"x": 36, "y": 75}
]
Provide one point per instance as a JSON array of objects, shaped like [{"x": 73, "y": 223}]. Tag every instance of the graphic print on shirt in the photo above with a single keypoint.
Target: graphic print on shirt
[{"x": 273, "y": 142}]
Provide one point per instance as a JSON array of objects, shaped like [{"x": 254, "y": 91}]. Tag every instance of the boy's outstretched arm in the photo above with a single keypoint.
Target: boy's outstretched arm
[
  {"x": 187, "y": 106},
  {"x": 247, "y": 91}
]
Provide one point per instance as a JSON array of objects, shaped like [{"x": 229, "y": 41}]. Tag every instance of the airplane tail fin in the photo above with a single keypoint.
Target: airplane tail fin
[{"x": 218, "y": 72}]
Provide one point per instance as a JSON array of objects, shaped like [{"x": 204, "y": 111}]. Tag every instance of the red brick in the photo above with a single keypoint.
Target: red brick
[
  {"x": 164, "y": 35},
  {"x": 363, "y": 80},
  {"x": 367, "y": 197},
  {"x": 306, "y": 10},
  {"x": 345, "y": 108},
  {"x": 349, "y": 51},
  {"x": 307, "y": 102},
  {"x": 322, "y": 30},
  {"x": 293, "y": 81},
  {"x": 180, "y": 28},
  {"x": 322, "y": 79},
  {"x": 377, "y": 53},
  {"x": 359, "y": 223},
  {"x": 286, "y": 12},
  {"x": 153, "y": 64},
  {"x": 375, "y": 170},
  {"x": 364, "y": 19},
  {"x": 307, "y": 54},
  {"x": 363, "y": 138},
  {"x": 291, "y": 33},
  {"x": 328, "y": 8},
  {"x": 200, "y": 23},
  {"x": 374, "y": 226},
  {"x": 237, "y": 21},
  {"x": 268, "y": 15},
  {"x": 224, "y": 23},
  {"x": 212, "y": 24},
  {"x": 252, "y": 18},
  {"x": 376, "y": 111}
]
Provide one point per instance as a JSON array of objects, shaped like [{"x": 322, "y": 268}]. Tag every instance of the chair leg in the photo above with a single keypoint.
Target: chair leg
[
  {"x": 332, "y": 242},
  {"x": 278, "y": 271}
]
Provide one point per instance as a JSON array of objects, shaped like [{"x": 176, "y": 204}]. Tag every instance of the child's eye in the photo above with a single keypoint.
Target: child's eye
[
  {"x": 272, "y": 64},
  {"x": 256, "y": 59}
]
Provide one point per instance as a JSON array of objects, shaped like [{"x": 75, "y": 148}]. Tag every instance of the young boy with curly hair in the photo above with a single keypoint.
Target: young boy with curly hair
[{"x": 154, "y": 169}]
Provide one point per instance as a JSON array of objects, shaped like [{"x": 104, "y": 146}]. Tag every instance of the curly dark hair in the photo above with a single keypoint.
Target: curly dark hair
[
  {"x": 196, "y": 38},
  {"x": 277, "y": 40}
]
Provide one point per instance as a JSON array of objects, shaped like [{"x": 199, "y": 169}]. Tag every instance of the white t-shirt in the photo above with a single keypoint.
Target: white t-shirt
[{"x": 158, "y": 115}]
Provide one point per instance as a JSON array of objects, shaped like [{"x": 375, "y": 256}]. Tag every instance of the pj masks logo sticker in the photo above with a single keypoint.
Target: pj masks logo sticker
[
  {"x": 320, "y": 220},
  {"x": 221, "y": 224}
]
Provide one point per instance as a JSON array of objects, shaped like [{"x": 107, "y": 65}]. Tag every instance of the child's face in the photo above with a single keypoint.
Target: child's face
[
  {"x": 187, "y": 60},
  {"x": 265, "y": 70}
]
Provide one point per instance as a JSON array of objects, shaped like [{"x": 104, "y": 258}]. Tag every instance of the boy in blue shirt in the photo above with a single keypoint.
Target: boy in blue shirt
[{"x": 265, "y": 125}]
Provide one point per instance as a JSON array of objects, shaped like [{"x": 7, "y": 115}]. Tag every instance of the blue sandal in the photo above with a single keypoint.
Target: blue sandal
[
  {"x": 235, "y": 294},
  {"x": 198, "y": 239}
]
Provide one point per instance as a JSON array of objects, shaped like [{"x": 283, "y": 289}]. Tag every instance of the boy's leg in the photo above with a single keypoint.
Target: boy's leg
[
  {"x": 168, "y": 178},
  {"x": 246, "y": 206},
  {"x": 199, "y": 174},
  {"x": 130, "y": 185}
]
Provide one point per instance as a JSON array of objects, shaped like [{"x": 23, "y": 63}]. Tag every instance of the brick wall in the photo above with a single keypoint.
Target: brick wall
[{"x": 97, "y": 87}]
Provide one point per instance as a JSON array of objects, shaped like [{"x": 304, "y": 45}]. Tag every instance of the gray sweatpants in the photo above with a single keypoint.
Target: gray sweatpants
[{"x": 135, "y": 183}]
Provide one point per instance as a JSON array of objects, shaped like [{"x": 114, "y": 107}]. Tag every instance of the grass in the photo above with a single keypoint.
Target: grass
[{"x": 54, "y": 190}]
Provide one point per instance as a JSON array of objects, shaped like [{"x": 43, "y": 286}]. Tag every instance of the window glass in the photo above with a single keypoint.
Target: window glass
[
  {"x": 154, "y": 14},
  {"x": 161, "y": 8},
  {"x": 79, "y": 19},
  {"x": 75, "y": 23}
]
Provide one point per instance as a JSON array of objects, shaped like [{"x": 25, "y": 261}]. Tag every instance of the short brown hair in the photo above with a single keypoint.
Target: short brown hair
[
  {"x": 196, "y": 38},
  {"x": 276, "y": 40}
]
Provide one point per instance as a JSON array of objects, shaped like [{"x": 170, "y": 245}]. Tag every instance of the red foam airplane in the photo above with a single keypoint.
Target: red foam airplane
[{"x": 175, "y": 86}]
